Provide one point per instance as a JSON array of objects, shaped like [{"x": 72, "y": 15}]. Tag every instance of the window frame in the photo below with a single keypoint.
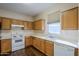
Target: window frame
[{"x": 54, "y": 32}]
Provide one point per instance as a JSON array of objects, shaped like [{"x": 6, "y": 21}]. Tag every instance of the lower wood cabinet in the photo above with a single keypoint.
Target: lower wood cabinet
[
  {"x": 45, "y": 46},
  {"x": 76, "y": 52},
  {"x": 28, "y": 41},
  {"x": 6, "y": 46},
  {"x": 42, "y": 45},
  {"x": 78, "y": 18},
  {"x": 0, "y": 46},
  {"x": 49, "y": 48},
  {"x": 36, "y": 43}
]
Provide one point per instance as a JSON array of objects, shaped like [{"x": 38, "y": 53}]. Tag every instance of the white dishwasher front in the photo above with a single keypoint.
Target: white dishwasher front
[{"x": 63, "y": 50}]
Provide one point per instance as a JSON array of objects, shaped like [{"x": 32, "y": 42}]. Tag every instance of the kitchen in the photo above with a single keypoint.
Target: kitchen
[{"x": 46, "y": 29}]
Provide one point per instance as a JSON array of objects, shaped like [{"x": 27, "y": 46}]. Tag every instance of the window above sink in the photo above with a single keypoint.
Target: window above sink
[{"x": 53, "y": 23}]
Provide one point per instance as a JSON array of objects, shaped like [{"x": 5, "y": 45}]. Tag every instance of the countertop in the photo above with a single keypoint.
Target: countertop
[{"x": 57, "y": 40}]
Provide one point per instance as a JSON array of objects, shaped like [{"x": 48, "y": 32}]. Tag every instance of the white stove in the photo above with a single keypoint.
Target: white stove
[{"x": 17, "y": 38}]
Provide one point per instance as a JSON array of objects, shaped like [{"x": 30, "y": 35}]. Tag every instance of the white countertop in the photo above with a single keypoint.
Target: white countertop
[{"x": 56, "y": 40}]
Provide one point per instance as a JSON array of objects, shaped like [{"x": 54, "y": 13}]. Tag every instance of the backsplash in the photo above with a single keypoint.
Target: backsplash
[
  {"x": 67, "y": 35},
  {"x": 7, "y": 34},
  {"x": 70, "y": 35}
]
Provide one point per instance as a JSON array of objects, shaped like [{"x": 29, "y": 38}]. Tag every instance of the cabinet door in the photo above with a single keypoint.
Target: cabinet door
[
  {"x": 78, "y": 18},
  {"x": 17, "y": 22},
  {"x": 38, "y": 25},
  {"x": 6, "y": 23},
  {"x": 70, "y": 19},
  {"x": 20, "y": 22},
  {"x": 0, "y": 24},
  {"x": 0, "y": 45},
  {"x": 6, "y": 46},
  {"x": 36, "y": 43},
  {"x": 28, "y": 41},
  {"x": 25, "y": 25},
  {"x": 76, "y": 52},
  {"x": 29, "y": 25},
  {"x": 42, "y": 45},
  {"x": 49, "y": 48}
]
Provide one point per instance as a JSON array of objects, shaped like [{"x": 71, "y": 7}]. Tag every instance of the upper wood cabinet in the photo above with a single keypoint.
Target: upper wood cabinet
[
  {"x": 38, "y": 25},
  {"x": 70, "y": 19},
  {"x": 28, "y": 25},
  {"x": 0, "y": 23},
  {"x": 17, "y": 22},
  {"x": 25, "y": 25},
  {"x": 6, "y": 46},
  {"x": 5, "y": 24}
]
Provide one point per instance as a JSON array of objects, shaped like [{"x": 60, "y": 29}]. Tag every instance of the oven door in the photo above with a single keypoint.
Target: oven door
[{"x": 17, "y": 41}]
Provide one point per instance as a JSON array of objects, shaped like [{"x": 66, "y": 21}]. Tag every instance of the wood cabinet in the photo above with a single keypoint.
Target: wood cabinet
[
  {"x": 38, "y": 25},
  {"x": 0, "y": 46},
  {"x": 6, "y": 46},
  {"x": 44, "y": 46},
  {"x": 70, "y": 19},
  {"x": 5, "y": 24},
  {"x": 36, "y": 43},
  {"x": 25, "y": 25},
  {"x": 28, "y": 25},
  {"x": 76, "y": 52},
  {"x": 49, "y": 48},
  {"x": 28, "y": 41},
  {"x": 17, "y": 22},
  {"x": 78, "y": 18},
  {"x": 0, "y": 24}
]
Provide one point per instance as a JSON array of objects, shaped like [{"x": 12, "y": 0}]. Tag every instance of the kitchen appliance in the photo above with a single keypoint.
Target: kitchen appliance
[{"x": 17, "y": 37}]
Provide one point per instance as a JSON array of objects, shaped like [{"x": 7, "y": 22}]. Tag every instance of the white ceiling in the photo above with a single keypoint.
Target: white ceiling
[{"x": 31, "y": 9}]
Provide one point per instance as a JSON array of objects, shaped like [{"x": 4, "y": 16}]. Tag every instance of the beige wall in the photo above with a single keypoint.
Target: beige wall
[
  {"x": 6, "y": 34},
  {"x": 10, "y": 14},
  {"x": 65, "y": 35}
]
